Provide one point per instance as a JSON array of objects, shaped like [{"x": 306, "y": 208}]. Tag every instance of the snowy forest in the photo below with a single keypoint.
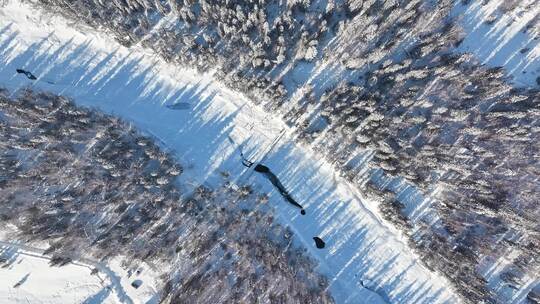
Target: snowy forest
[
  {"x": 378, "y": 87},
  {"x": 92, "y": 186}
]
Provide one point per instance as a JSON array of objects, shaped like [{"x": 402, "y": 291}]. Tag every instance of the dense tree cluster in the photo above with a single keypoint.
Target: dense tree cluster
[
  {"x": 251, "y": 36},
  {"x": 89, "y": 184},
  {"x": 377, "y": 78},
  {"x": 458, "y": 132},
  {"x": 462, "y": 135}
]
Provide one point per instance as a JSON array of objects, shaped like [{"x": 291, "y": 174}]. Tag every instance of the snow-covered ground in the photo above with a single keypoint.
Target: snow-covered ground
[
  {"x": 26, "y": 276},
  {"x": 498, "y": 39},
  {"x": 137, "y": 86}
]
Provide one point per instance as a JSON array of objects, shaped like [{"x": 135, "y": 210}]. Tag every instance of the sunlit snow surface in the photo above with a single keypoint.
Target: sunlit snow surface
[
  {"x": 26, "y": 276},
  {"x": 138, "y": 87},
  {"x": 506, "y": 42},
  {"x": 41, "y": 283}
]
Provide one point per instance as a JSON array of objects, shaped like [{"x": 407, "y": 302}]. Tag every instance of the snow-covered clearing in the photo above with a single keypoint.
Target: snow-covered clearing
[
  {"x": 498, "y": 39},
  {"x": 40, "y": 283},
  {"x": 137, "y": 86},
  {"x": 26, "y": 276}
]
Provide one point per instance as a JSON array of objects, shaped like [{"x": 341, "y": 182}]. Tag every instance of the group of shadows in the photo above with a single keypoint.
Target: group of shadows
[{"x": 260, "y": 168}]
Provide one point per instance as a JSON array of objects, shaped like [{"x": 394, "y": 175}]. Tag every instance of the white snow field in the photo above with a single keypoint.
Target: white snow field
[
  {"x": 504, "y": 40},
  {"x": 95, "y": 71},
  {"x": 39, "y": 282}
]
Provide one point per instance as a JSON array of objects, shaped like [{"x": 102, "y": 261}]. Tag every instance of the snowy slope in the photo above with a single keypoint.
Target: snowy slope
[
  {"x": 135, "y": 85},
  {"x": 503, "y": 39}
]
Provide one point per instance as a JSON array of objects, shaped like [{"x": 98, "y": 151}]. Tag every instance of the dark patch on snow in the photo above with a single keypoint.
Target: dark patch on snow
[
  {"x": 264, "y": 170},
  {"x": 137, "y": 283},
  {"x": 261, "y": 168},
  {"x": 179, "y": 106},
  {"x": 28, "y": 74},
  {"x": 319, "y": 242},
  {"x": 21, "y": 281},
  {"x": 275, "y": 181}
]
